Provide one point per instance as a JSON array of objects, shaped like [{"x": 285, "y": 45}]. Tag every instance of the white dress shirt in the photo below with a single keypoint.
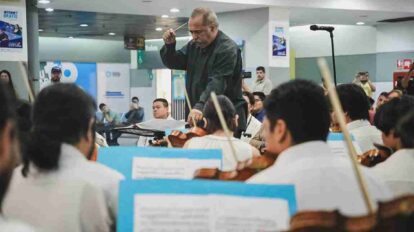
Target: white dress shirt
[
  {"x": 322, "y": 180},
  {"x": 243, "y": 150},
  {"x": 398, "y": 172},
  {"x": 264, "y": 86},
  {"x": 74, "y": 166},
  {"x": 365, "y": 134},
  {"x": 253, "y": 126},
  {"x": 51, "y": 202},
  {"x": 14, "y": 226}
]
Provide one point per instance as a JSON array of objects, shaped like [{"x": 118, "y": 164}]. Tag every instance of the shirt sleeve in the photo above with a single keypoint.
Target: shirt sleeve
[
  {"x": 268, "y": 87},
  {"x": 223, "y": 68},
  {"x": 172, "y": 58}
]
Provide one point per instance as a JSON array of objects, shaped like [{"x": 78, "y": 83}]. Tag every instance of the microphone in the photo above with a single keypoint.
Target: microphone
[{"x": 321, "y": 28}]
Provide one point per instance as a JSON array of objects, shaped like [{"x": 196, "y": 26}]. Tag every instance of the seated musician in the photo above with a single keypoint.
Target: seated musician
[
  {"x": 356, "y": 107},
  {"x": 57, "y": 187},
  {"x": 253, "y": 125},
  {"x": 398, "y": 170},
  {"x": 296, "y": 127},
  {"x": 217, "y": 139}
]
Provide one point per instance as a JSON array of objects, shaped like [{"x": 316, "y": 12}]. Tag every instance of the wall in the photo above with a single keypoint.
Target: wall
[{"x": 395, "y": 37}]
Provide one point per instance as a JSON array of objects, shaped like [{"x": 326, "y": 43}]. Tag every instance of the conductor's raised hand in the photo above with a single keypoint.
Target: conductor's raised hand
[{"x": 169, "y": 36}]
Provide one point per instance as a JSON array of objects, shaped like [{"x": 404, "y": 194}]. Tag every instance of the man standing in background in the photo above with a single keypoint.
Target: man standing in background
[
  {"x": 362, "y": 79},
  {"x": 262, "y": 83}
]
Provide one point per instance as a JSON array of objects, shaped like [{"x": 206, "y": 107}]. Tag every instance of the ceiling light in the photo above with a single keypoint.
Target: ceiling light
[
  {"x": 39, "y": 30},
  {"x": 158, "y": 29},
  {"x": 43, "y": 1},
  {"x": 83, "y": 25},
  {"x": 70, "y": 37},
  {"x": 164, "y": 16},
  {"x": 111, "y": 33},
  {"x": 174, "y": 10},
  {"x": 49, "y": 9},
  {"x": 360, "y": 23}
]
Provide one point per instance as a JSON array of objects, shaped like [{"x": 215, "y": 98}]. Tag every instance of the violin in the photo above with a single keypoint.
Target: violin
[
  {"x": 335, "y": 128},
  {"x": 395, "y": 215},
  {"x": 375, "y": 156},
  {"x": 179, "y": 138},
  {"x": 256, "y": 165}
]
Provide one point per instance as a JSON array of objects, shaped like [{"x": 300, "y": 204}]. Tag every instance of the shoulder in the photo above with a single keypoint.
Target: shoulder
[
  {"x": 226, "y": 44},
  {"x": 104, "y": 171}
]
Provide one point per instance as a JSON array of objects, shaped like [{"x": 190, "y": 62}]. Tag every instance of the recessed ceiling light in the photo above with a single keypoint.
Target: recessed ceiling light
[
  {"x": 164, "y": 16},
  {"x": 70, "y": 37},
  {"x": 111, "y": 33},
  {"x": 49, "y": 9},
  {"x": 39, "y": 30},
  {"x": 43, "y": 1},
  {"x": 360, "y": 23},
  {"x": 158, "y": 29},
  {"x": 174, "y": 10},
  {"x": 83, "y": 25}
]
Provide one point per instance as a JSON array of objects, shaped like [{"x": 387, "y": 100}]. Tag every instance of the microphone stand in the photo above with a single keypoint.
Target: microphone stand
[{"x": 333, "y": 56}]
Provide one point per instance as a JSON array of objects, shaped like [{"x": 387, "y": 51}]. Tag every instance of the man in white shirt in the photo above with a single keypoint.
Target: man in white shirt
[
  {"x": 63, "y": 191},
  {"x": 356, "y": 107},
  {"x": 253, "y": 125},
  {"x": 262, "y": 83},
  {"x": 296, "y": 127},
  {"x": 8, "y": 156},
  {"x": 397, "y": 124}
]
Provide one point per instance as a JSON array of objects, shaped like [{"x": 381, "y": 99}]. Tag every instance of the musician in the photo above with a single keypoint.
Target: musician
[
  {"x": 296, "y": 127},
  {"x": 212, "y": 60},
  {"x": 258, "y": 111},
  {"x": 356, "y": 107},
  {"x": 253, "y": 125},
  {"x": 387, "y": 117},
  {"x": 398, "y": 170},
  {"x": 9, "y": 155},
  {"x": 217, "y": 139},
  {"x": 382, "y": 98},
  {"x": 62, "y": 190}
]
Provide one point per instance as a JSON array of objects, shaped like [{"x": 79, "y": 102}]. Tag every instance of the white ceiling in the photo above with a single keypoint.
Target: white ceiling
[{"x": 302, "y": 12}]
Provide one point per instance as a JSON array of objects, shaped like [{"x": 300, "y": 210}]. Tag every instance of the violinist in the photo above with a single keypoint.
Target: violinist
[
  {"x": 253, "y": 125},
  {"x": 356, "y": 107},
  {"x": 217, "y": 139},
  {"x": 398, "y": 170},
  {"x": 296, "y": 127}
]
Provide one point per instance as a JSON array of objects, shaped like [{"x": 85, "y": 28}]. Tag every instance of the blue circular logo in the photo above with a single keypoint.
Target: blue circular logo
[{"x": 67, "y": 73}]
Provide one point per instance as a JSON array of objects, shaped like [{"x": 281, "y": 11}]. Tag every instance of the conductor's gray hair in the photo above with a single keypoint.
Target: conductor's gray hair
[{"x": 209, "y": 17}]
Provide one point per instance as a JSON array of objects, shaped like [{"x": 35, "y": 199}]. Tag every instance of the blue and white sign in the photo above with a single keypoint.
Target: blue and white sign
[
  {"x": 151, "y": 162},
  {"x": 82, "y": 74},
  {"x": 13, "y": 42},
  {"x": 200, "y": 205},
  {"x": 113, "y": 86}
]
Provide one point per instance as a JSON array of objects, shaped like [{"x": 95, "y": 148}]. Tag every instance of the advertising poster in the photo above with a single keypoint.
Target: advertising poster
[
  {"x": 83, "y": 74},
  {"x": 279, "y": 42},
  {"x": 113, "y": 86},
  {"x": 12, "y": 33}
]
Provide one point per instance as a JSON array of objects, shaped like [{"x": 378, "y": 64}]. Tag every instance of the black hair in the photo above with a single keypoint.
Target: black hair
[
  {"x": 261, "y": 95},
  {"x": 61, "y": 114},
  {"x": 390, "y": 113},
  {"x": 261, "y": 68},
  {"x": 101, "y": 106},
  {"x": 303, "y": 107},
  {"x": 354, "y": 101},
  {"x": 135, "y": 98},
  {"x": 249, "y": 96},
  {"x": 385, "y": 94},
  {"x": 10, "y": 84},
  {"x": 213, "y": 121},
  {"x": 162, "y": 100},
  {"x": 405, "y": 129}
]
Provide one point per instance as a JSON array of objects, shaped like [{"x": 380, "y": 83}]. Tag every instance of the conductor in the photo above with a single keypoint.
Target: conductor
[{"x": 213, "y": 63}]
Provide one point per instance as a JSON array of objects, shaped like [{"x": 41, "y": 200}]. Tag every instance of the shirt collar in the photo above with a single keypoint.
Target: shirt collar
[
  {"x": 404, "y": 151},
  {"x": 312, "y": 149},
  {"x": 69, "y": 153},
  {"x": 357, "y": 124}
]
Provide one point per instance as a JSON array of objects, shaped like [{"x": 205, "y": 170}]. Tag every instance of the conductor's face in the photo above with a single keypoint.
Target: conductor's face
[{"x": 203, "y": 35}]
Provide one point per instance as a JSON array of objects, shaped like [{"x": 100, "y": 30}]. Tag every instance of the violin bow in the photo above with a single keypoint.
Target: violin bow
[
  {"x": 333, "y": 97},
  {"x": 25, "y": 78},
  {"x": 188, "y": 102},
  {"x": 223, "y": 123}
]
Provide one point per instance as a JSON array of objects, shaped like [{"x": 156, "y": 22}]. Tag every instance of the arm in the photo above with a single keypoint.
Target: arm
[
  {"x": 372, "y": 86},
  {"x": 268, "y": 87},
  {"x": 223, "y": 68},
  {"x": 174, "y": 59},
  {"x": 257, "y": 140}
]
